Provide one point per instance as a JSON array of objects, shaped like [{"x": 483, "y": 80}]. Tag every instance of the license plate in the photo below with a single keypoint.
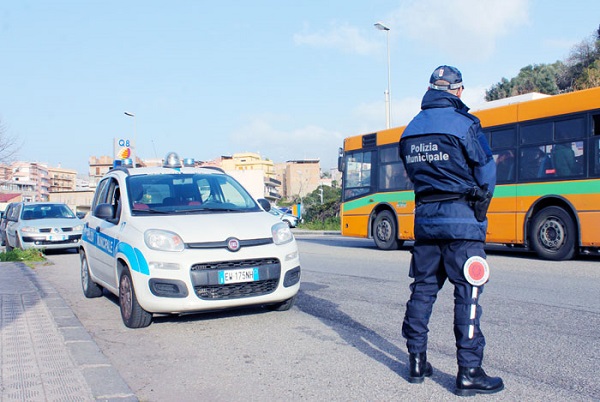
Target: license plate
[
  {"x": 57, "y": 237},
  {"x": 238, "y": 275}
]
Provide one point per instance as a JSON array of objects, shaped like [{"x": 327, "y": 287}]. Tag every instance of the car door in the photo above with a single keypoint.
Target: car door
[
  {"x": 3, "y": 222},
  {"x": 12, "y": 221},
  {"x": 101, "y": 235}
]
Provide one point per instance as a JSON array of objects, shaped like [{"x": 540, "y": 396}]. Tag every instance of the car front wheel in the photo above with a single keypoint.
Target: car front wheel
[{"x": 133, "y": 315}]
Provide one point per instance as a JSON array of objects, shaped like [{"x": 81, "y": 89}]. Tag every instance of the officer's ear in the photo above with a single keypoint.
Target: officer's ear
[{"x": 460, "y": 91}]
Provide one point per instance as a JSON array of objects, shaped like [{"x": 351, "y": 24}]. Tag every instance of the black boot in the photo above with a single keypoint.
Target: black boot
[
  {"x": 471, "y": 381},
  {"x": 419, "y": 367}
]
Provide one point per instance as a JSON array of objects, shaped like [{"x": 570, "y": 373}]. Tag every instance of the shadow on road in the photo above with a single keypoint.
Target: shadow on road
[{"x": 364, "y": 339}]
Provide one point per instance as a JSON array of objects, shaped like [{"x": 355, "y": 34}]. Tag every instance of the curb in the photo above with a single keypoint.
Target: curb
[{"x": 104, "y": 381}]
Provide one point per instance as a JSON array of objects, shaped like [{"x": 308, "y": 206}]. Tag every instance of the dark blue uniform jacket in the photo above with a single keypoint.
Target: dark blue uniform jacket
[{"x": 445, "y": 152}]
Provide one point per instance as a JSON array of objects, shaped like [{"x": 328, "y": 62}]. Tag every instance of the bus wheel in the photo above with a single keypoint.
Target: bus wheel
[
  {"x": 552, "y": 234},
  {"x": 385, "y": 232}
]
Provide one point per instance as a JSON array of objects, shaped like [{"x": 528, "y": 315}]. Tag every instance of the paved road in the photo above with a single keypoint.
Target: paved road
[{"x": 342, "y": 339}]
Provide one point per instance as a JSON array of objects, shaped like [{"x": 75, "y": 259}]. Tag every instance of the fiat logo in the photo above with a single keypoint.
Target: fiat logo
[{"x": 233, "y": 244}]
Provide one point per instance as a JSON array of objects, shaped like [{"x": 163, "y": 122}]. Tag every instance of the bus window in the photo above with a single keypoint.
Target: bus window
[
  {"x": 505, "y": 166},
  {"x": 569, "y": 129},
  {"x": 567, "y": 159},
  {"x": 534, "y": 163},
  {"x": 595, "y": 145},
  {"x": 596, "y": 157},
  {"x": 537, "y": 133},
  {"x": 392, "y": 175},
  {"x": 358, "y": 174},
  {"x": 503, "y": 138}
]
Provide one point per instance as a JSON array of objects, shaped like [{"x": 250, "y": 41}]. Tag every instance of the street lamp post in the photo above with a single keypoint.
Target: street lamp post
[
  {"x": 388, "y": 94},
  {"x": 134, "y": 147}
]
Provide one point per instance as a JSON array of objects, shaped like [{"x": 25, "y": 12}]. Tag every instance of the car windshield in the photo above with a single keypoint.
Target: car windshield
[
  {"x": 46, "y": 211},
  {"x": 186, "y": 193}
]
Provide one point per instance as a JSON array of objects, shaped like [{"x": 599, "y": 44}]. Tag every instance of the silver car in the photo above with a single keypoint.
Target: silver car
[
  {"x": 291, "y": 220},
  {"x": 42, "y": 225}
]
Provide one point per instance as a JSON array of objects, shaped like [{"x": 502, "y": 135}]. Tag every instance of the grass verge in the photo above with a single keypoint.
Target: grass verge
[{"x": 29, "y": 256}]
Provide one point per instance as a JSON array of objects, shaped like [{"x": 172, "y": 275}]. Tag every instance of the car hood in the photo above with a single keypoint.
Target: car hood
[
  {"x": 51, "y": 223},
  {"x": 194, "y": 228}
]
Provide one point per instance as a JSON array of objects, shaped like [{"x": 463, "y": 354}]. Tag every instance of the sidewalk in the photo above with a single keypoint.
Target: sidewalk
[{"x": 45, "y": 352}]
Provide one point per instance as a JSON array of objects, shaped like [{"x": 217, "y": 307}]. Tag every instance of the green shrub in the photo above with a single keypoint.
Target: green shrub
[
  {"x": 331, "y": 223},
  {"x": 29, "y": 255}
]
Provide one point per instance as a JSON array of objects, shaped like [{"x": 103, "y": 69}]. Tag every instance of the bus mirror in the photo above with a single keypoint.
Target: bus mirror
[{"x": 340, "y": 160}]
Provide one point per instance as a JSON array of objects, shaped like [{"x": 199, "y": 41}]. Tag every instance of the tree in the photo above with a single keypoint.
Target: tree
[
  {"x": 8, "y": 145},
  {"x": 532, "y": 78},
  {"x": 314, "y": 210},
  {"x": 589, "y": 78},
  {"x": 579, "y": 71},
  {"x": 501, "y": 90}
]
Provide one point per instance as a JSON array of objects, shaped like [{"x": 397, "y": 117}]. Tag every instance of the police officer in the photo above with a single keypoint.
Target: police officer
[{"x": 453, "y": 172}]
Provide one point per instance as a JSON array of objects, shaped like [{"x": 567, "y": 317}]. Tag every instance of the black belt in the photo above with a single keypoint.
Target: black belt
[{"x": 439, "y": 197}]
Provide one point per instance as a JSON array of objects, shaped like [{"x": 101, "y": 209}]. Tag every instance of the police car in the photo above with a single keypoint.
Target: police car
[{"x": 179, "y": 239}]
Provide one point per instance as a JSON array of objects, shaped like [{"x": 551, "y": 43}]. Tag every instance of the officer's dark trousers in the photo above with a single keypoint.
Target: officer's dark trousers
[{"x": 434, "y": 261}]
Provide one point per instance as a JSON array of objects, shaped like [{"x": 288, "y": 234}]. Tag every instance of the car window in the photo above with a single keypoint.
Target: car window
[
  {"x": 46, "y": 211},
  {"x": 100, "y": 195},
  {"x": 175, "y": 193},
  {"x": 13, "y": 214}
]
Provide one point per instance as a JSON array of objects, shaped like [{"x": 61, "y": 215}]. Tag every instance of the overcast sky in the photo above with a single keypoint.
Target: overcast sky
[{"x": 285, "y": 79}]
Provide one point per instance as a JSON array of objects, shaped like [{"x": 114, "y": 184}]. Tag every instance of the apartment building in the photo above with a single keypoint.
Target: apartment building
[
  {"x": 62, "y": 179},
  {"x": 299, "y": 177},
  {"x": 255, "y": 173},
  {"x": 31, "y": 179}
]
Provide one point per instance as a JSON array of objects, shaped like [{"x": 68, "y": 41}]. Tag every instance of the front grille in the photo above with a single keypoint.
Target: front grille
[
  {"x": 205, "y": 279},
  {"x": 49, "y": 230},
  {"x": 235, "y": 264},
  {"x": 236, "y": 290}
]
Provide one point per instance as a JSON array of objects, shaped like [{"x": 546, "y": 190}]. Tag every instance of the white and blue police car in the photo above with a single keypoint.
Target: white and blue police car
[{"x": 180, "y": 239}]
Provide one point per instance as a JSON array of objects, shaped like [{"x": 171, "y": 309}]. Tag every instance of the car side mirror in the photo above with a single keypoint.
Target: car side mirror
[
  {"x": 104, "y": 211},
  {"x": 266, "y": 205}
]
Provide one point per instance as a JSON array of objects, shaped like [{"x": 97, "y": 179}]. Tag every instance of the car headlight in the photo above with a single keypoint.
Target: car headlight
[
  {"x": 281, "y": 233},
  {"x": 29, "y": 229},
  {"x": 163, "y": 240},
  {"x": 77, "y": 228}
]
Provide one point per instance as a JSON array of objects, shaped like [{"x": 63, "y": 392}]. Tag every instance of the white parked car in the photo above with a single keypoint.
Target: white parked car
[
  {"x": 41, "y": 225},
  {"x": 178, "y": 239},
  {"x": 291, "y": 220}
]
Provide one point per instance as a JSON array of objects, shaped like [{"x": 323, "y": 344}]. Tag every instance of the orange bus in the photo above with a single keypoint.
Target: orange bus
[{"x": 547, "y": 197}]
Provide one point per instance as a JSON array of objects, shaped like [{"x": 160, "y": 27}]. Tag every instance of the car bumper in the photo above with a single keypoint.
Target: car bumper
[
  {"x": 47, "y": 242},
  {"x": 200, "y": 286}
]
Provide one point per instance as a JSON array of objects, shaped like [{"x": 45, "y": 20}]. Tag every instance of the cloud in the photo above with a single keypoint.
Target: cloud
[
  {"x": 370, "y": 116},
  {"x": 474, "y": 97},
  {"x": 468, "y": 27},
  {"x": 339, "y": 36},
  {"x": 261, "y": 135},
  {"x": 561, "y": 44}
]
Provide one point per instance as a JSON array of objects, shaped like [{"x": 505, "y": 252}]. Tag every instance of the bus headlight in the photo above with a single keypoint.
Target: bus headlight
[
  {"x": 281, "y": 233},
  {"x": 163, "y": 240}
]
